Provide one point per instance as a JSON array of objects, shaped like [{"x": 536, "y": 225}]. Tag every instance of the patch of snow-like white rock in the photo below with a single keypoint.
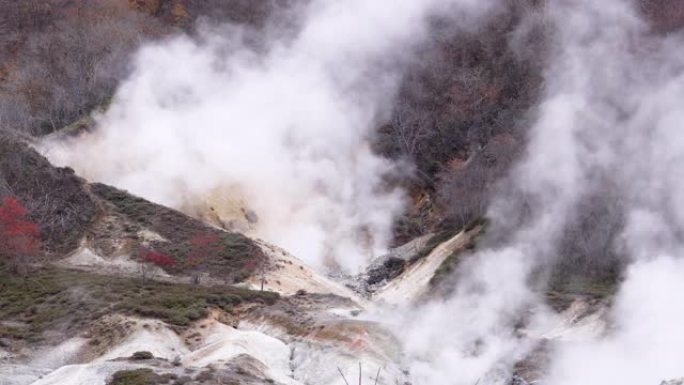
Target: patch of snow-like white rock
[
  {"x": 414, "y": 281},
  {"x": 86, "y": 374},
  {"x": 321, "y": 363},
  {"x": 12, "y": 374},
  {"x": 152, "y": 336},
  {"x": 60, "y": 355},
  {"x": 223, "y": 343},
  {"x": 577, "y": 323},
  {"x": 86, "y": 259},
  {"x": 287, "y": 275}
]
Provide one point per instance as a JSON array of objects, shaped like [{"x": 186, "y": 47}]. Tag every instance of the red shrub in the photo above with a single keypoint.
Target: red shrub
[
  {"x": 156, "y": 258},
  {"x": 204, "y": 247},
  {"x": 19, "y": 237}
]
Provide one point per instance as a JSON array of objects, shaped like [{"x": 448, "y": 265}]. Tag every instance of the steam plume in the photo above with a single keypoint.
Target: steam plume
[
  {"x": 284, "y": 127},
  {"x": 630, "y": 82},
  {"x": 611, "y": 116}
]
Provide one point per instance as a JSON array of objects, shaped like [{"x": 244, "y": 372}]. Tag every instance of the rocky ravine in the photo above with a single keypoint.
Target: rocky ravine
[
  {"x": 86, "y": 320},
  {"x": 307, "y": 336}
]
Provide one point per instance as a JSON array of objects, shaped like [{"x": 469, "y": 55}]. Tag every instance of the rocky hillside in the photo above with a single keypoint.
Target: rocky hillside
[{"x": 72, "y": 214}]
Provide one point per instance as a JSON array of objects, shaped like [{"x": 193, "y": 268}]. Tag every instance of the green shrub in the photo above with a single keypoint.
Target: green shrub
[
  {"x": 134, "y": 377},
  {"x": 143, "y": 355},
  {"x": 56, "y": 298}
]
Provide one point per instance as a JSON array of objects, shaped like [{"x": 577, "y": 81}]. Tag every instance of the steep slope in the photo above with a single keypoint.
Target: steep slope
[
  {"x": 414, "y": 282},
  {"x": 71, "y": 213},
  {"x": 287, "y": 275},
  {"x": 232, "y": 256},
  {"x": 56, "y": 199},
  {"x": 81, "y": 327}
]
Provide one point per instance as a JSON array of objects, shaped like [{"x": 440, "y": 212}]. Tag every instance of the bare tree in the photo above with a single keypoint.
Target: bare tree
[
  {"x": 71, "y": 64},
  {"x": 466, "y": 187}
]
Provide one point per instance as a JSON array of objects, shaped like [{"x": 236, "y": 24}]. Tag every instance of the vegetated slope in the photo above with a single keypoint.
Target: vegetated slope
[
  {"x": 54, "y": 316},
  {"x": 61, "y": 59},
  {"x": 55, "y": 198},
  {"x": 461, "y": 113},
  {"x": 235, "y": 257},
  {"x": 69, "y": 212},
  {"x": 463, "y": 109},
  {"x": 51, "y": 301},
  {"x": 462, "y": 116}
]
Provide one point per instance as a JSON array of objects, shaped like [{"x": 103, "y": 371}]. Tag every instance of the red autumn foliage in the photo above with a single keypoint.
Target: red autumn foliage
[
  {"x": 156, "y": 258},
  {"x": 19, "y": 237},
  {"x": 204, "y": 247}
]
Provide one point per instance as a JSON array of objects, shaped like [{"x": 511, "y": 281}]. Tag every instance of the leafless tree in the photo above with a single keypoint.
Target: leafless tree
[
  {"x": 69, "y": 65},
  {"x": 466, "y": 187}
]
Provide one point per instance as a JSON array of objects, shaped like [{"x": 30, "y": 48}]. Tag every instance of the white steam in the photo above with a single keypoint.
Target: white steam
[
  {"x": 284, "y": 127},
  {"x": 648, "y": 343},
  {"x": 632, "y": 120},
  {"x": 611, "y": 114},
  {"x": 469, "y": 337}
]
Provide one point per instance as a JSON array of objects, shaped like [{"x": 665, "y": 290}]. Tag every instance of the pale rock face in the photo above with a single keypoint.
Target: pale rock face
[
  {"x": 87, "y": 259},
  {"x": 414, "y": 282},
  {"x": 86, "y": 374},
  {"x": 577, "y": 323},
  {"x": 286, "y": 275},
  {"x": 62, "y": 354},
  {"x": 152, "y": 336},
  {"x": 19, "y": 374},
  {"x": 223, "y": 343}
]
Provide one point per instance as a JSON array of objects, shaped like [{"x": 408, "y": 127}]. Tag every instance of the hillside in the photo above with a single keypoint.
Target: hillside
[
  {"x": 72, "y": 214},
  {"x": 251, "y": 192}
]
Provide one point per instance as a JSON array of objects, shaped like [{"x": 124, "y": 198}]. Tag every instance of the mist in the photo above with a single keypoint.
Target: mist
[
  {"x": 274, "y": 126},
  {"x": 609, "y": 122},
  {"x": 629, "y": 106},
  {"x": 646, "y": 345}
]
